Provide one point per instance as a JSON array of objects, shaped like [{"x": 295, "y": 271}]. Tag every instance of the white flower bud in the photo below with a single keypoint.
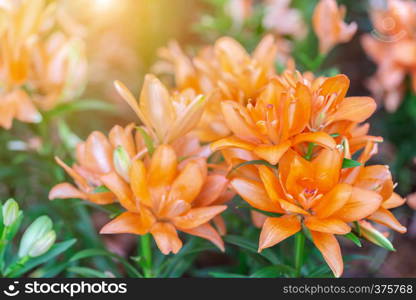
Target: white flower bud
[
  {"x": 42, "y": 245},
  {"x": 10, "y": 212},
  {"x": 35, "y": 232}
]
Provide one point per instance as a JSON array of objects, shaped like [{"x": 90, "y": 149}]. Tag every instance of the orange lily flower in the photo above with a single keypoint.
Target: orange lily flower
[
  {"x": 222, "y": 72},
  {"x": 329, "y": 26},
  {"x": 166, "y": 117},
  {"x": 392, "y": 46},
  {"x": 376, "y": 178},
  {"x": 94, "y": 158},
  {"x": 164, "y": 197},
  {"x": 309, "y": 193},
  {"x": 274, "y": 123}
]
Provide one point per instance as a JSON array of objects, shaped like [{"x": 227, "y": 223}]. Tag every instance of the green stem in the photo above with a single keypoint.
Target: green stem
[
  {"x": 146, "y": 254},
  {"x": 299, "y": 250},
  {"x": 11, "y": 270},
  {"x": 3, "y": 244}
]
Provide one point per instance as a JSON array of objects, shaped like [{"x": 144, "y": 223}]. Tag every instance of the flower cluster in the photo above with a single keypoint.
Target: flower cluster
[
  {"x": 39, "y": 66},
  {"x": 295, "y": 143}
]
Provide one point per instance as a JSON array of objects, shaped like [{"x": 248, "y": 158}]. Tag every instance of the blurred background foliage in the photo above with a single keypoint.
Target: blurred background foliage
[{"x": 122, "y": 38}]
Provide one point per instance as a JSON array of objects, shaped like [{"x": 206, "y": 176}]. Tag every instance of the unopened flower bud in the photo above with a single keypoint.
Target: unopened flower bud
[
  {"x": 10, "y": 212},
  {"x": 35, "y": 232},
  {"x": 122, "y": 162},
  {"x": 42, "y": 245}
]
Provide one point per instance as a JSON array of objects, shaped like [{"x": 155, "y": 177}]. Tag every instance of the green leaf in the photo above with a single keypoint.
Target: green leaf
[
  {"x": 226, "y": 275},
  {"x": 101, "y": 252},
  {"x": 273, "y": 271},
  {"x": 253, "y": 162},
  {"x": 350, "y": 163},
  {"x": 252, "y": 247},
  {"x": 352, "y": 237},
  {"x": 55, "y": 250},
  {"x": 147, "y": 140},
  {"x": 87, "y": 272}
]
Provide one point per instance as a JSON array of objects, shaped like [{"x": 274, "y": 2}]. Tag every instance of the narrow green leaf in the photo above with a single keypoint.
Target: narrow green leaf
[
  {"x": 352, "y": 237},
  {"x": 350, "y": 163}
]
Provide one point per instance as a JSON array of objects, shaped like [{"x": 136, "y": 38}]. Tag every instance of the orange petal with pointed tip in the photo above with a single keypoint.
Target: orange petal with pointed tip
[
  {"x": 98, "y": 153},
  {"x": 254, "y": 194},
  {"x": 330, "y": 250},
  {"x": 206, "y": 231},
  {"x": 101, "y": 198},
  {"x": 128, "y": 222},
  {"x": 333, "y": 201},
  {"x": 166, "y": 238},
  {"x": 394, "y": 201},
  {"x": 65, "y": 191},
  {"x": 231, "y": 142},
  {"x": 121, "y": 189},
  {"x": 272, "y": 153},
  {"x": 138, "y": 183},
  {"x": 163, "y": 166},
  {"x": 81, "y": 181},
  {"x": 330, "y": 225},
  {"x": 276, "y": 230},
  {"x": 385, "y": 217},
  {"x": 321, "y": 138},
  {"x": 188, "y": 183},
  {"x": 198, "y": 216},
  {"x": 156, "y": 105},
  {"x": 361, "y": 204},
  {"x": 355, "y": 109}
]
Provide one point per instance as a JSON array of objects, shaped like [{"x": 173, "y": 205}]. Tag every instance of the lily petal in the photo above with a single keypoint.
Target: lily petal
[
  {"x": 166, "y": 238},
  {"x": 385, "y": 217},
  {"x": 355, "y": 109},
  {"x": 330, "y": 250},
  {"x": 128, "y": 222},
  {"x": 138, "y": 182},
  {"x": 333, "y": 201},
  {"x": 361, "y": 204},
  {"x": 330, "y": 225},
  {"x": 213, "y": 188},
  {"x": 163, "y": 166},
  {"x": 276, "y": 230},
  {"x": 272, "y": 153},
  {"x": 394, "y": 201},
  {"x": 121, "y": 189},
  {"x": 188, "y": 183},
  {"x": 206, "y": 231},
  {"x": 198, "y": 216},
  {"x": 65, "y": 191},
  {"x": 254, "y": 193}
]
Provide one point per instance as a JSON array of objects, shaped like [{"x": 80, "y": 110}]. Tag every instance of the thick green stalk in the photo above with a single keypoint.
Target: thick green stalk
[
  {"x": 146, "y": 254},
  {"x": 299, "y": 251}
]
